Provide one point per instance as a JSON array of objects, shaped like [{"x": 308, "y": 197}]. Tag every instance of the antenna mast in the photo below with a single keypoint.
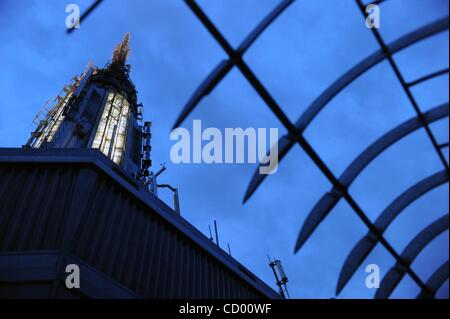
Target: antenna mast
[{"x": 280, "y": 276}]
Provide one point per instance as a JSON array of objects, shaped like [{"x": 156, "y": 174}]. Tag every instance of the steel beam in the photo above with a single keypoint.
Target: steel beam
[{"x": 221, "y": 70}]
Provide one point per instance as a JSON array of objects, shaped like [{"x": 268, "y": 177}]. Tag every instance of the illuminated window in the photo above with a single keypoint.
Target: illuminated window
[{"x": 111, "y": 133}]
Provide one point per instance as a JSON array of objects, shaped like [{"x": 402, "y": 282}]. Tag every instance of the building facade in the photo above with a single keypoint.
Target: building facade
[{"x": 77, "y": 195}]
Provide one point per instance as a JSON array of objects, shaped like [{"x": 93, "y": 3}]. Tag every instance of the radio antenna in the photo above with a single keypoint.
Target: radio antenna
[
  {"x": 280, "y": 276},
  {"x": 217, "y": 234},
  {"x": 210, "y": 233}
]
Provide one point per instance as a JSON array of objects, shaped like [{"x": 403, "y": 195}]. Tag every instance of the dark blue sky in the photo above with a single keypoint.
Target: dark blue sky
[{"x": 303, "y": 52}]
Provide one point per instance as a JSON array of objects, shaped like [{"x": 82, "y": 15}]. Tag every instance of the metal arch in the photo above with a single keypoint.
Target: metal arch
[
  {"x": 370, "y": 153},
  {"x": 319, "y": 103},
  {"x": 204, "y": 89},
  {"x": 420, "y": 241},
  {"x": 405, "y": 87},
  {"x": 221, "y": 70},
  {"x": 330, "y": 199},
  {"x": 409, "y": 196},
  {"x": 428, "y": 77},
  {"x": 435, "y": 282},
  {"x": 369, "y": 241},
  {"x": 295, "y": 133}
]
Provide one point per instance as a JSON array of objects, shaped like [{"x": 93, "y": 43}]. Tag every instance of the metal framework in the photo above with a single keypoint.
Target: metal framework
[
  {"x": 435, "y": 281},
  {"x": 47, "y": 126},
  {"x": 323, "y": 207},
  {"x": 340, "y": 185},
  {"x": 286, "y": 142},
  {"x": 369, "y": 241},
  {"x": 414, "y": 248}
]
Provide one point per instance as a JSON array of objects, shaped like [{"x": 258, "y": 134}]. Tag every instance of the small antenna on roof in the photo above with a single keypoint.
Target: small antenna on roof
[
  {"x": 176, "y": 200},
  {"x": 280, "y": 276},
  {"x": 210, "y": 233},
  {"x": 217, "y": 234}
]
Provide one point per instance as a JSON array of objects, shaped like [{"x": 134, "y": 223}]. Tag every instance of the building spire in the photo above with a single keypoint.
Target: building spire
[{"x": 121, "y": 50}]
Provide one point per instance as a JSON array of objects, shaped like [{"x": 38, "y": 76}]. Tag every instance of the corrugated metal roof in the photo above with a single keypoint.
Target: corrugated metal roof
[{"x": 81, "y": 202}]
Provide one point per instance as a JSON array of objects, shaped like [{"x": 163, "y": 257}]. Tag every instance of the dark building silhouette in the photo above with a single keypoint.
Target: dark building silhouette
[{"x": 79, "y": 193}]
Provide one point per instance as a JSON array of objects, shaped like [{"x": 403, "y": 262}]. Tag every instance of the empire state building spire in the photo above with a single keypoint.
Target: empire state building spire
[
  {"x": 98, "y": 110},
  {"x": 121, "y": 50}
]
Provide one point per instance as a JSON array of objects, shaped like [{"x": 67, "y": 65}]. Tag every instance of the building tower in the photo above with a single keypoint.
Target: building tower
[
  {"x": 68, "y": 199},
  {"x": 99, "y": 110}
]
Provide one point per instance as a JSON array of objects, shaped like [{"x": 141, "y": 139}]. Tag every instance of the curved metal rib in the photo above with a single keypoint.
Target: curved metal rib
[
  {"x": 436, "y": 280},
  {"x": 318, "y": 104},
  {"x": 368, "y": 242},
  {"x": 330, "y": 199},
  {"x": 404, "y": 129},
  {"x": 420, "y": 241},
  {"x": 204, "y": 89},
  {"x": 225, "y": 66},
  {"x": 428, "y": 77},
  {"x": 278, "y": 10}
]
